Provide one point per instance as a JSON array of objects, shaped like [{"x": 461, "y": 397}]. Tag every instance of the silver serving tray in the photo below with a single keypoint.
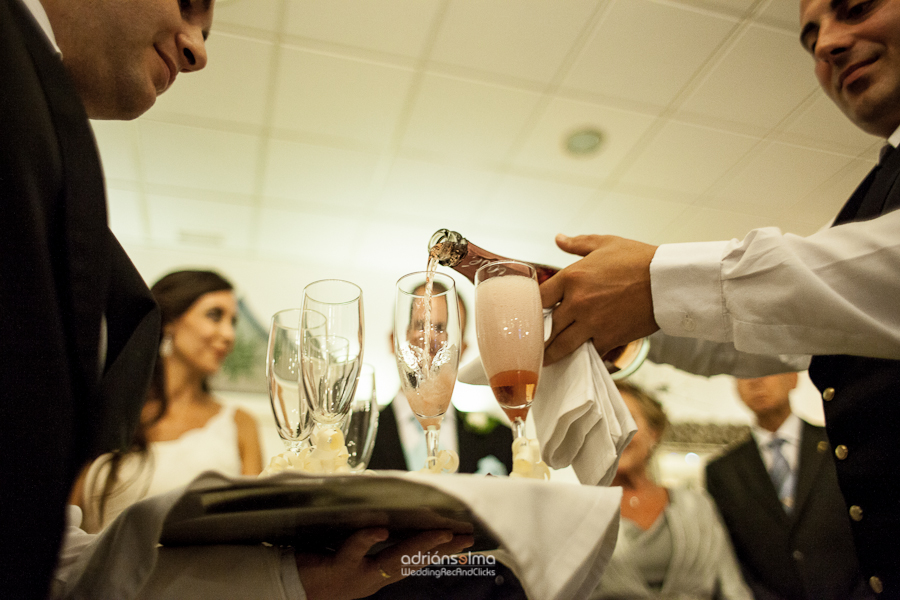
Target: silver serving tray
[{"x": 316, "y": 513}]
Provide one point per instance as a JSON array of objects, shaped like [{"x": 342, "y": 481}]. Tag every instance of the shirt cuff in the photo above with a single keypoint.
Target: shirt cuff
[
  {"x": 290, "y": 576},
  {"x": 686, "y": 283}
]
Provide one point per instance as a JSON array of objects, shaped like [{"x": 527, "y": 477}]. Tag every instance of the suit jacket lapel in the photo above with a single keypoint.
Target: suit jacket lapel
[
  {"x": 752, "y": 471},
  {"x": 83, "y": 205},
  {"x": 810, "y": 463}
]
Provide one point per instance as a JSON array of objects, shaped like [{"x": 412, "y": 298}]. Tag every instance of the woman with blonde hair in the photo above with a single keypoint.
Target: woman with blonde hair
[{"x": 672, "y": 543}]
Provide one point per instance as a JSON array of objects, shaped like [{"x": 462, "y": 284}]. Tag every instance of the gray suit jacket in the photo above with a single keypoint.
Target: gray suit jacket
[{"x": 807, "y": 555}]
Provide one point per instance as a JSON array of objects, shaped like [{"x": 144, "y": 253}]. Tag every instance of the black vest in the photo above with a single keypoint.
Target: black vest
[{"x": 862, "y": 414}]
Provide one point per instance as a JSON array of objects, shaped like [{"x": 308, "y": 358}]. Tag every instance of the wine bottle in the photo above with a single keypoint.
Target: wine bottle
[{"x": 452, "y": 250}]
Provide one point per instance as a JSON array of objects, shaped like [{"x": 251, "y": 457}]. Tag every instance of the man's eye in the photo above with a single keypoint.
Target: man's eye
[
  {"x": 855, "y": 11},
  {"x": 215, "y": 314},
  {"x": 184, "y": 5}
]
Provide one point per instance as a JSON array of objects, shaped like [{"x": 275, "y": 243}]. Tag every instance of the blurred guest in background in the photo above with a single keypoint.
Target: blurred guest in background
[
  {"x": 484, "y": 443},
  {"x": 778, "y": 495},
  {"x": 671, "y": 542},
  {"x": 184, "y": 430}
]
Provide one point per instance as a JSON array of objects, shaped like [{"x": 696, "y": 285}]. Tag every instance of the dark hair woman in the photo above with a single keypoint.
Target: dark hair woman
[{"x": 184, "y": 430}]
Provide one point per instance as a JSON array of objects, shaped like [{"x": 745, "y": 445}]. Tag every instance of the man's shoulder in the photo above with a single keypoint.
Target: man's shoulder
[{"x": 733, "y": 452}]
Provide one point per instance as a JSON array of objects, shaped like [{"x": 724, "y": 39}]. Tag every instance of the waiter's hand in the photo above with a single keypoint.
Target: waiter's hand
[
  {"x": 351, "y": 573},
  {"x": 604, "y": 297}
]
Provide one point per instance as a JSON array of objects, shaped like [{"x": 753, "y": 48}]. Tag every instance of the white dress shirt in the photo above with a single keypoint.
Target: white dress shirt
[
  {"x": 833, "y": 292},
  {"x": 790, "y": 432}
]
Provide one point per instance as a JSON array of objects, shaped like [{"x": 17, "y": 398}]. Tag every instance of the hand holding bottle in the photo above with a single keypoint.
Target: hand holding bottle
[{"x": 604, "y": 297}]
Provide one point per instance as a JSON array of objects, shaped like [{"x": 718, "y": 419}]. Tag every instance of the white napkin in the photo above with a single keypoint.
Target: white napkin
[
  {"x": 580, "y": 417},
  {"x": 557, "y": 538}
]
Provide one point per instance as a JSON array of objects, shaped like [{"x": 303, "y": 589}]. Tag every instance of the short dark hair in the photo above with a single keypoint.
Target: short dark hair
[{"x": 440, "y": 288}]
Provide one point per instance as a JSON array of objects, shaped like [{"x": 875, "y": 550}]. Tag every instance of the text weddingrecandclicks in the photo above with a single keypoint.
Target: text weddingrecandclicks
[{"x": 424, "y": 564}]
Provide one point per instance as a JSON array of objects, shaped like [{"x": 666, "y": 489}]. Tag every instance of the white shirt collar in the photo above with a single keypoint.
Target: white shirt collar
[
  {"x": 789, "y": 431},
  {"x": 40, "y": 15},
  {"x": 894, "y": 140}
]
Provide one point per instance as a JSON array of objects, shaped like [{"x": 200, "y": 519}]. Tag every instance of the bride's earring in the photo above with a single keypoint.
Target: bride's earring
[{"x": 166, "y": 346}]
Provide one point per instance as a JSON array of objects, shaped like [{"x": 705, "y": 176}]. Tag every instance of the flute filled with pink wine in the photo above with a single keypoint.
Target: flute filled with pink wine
[{"x": 450, "y": 249}]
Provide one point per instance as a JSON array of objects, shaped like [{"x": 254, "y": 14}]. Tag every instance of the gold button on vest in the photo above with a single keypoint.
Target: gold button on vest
[
  {"x": 828, "y": 394},
  {"x": 876, "y": 585},
  {"x": 856, "y": 513},
  {"x": 841, "y": 452}
]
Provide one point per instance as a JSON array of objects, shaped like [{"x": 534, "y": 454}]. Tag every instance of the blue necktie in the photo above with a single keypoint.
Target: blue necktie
[{"x": 782, "y": 477}]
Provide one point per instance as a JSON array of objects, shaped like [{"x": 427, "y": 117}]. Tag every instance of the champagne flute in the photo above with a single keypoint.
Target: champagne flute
[
  {"x": 509, "y": 324},
  {"x": 331, "y": 356},
  {"x": 289, "y": 407},
  {"x": 361, "y": 425},
  {"x": 427, "y": 342}
]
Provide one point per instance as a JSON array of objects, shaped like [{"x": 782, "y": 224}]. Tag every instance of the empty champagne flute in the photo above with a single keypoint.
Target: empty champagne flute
[
  {"x": 292, "y": 416},
  {"x": 510, "y": 327},
  {"x": 331, "y": 356},
  {"x": 361, "y": 425},
  {"x": 427, "y": 343}
]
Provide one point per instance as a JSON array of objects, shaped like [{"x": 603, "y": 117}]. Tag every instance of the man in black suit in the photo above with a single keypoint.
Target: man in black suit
[
  {"x": 793, "y": 543},
  {"x": 831, "y": 295},
  {"x": 484, "y": 444},
  {"x": 79, "y": 327}
]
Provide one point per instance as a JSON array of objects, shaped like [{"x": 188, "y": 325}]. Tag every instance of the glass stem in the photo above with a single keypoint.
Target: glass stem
[
  {"x": 432, "y": 433},
  {"x": 518, "y": 428}
]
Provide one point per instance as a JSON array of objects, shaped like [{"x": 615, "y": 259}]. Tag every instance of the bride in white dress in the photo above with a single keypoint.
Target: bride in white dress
[{"x": 184, "y": 430}]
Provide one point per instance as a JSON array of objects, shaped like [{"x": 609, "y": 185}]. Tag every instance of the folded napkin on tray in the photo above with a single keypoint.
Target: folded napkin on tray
[
  {"x": 579, "y": 415},
  {"x": 557, "y": 538}
]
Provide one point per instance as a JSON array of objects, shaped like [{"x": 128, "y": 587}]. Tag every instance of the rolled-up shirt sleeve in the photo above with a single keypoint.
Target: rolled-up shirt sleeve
[{"x": 834, "y": 292}]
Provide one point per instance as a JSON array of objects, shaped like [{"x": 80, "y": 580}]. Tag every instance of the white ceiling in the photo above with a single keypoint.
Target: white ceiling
[
  {"x": 343, "y": 133},
  {"x": 380, "y": 121}
]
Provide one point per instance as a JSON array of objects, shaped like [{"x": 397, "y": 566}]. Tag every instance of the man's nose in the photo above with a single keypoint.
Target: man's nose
[
  {"x": 192, "y": 47},
  {"x": 833, "y": 40}
]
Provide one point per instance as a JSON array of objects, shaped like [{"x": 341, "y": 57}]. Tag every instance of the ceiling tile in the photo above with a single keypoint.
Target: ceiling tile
[
  {"x": 783, "y": 14},
  {"x": 397, "y": 248},
  {"x": 198, "y": 157},
  {"x": 687, "y": 158},
  {"x": 635, "y": 217},
  {"x": 647, "y": 52},
  {"x": 233, "y": 87},
  {"x": 824, "y": 122},
  {"x": 474, "y": 121},
  {"x": 126, "y": 217},
  {"x": 417, "y": 187},
  {"x": 734, "y": 8},
  {"x": 258, "y": 14},
  {"x": 393, "y": 26},
  {"x": 525, "y": 39},
  {"x": 701, "y": 224},
  {"x": 199, "y": 223},
  {"x": 759, "y": 81},
  {"x": 117, "y": 142},
  {"x": 544, "y": 150},
  {"x": 317, "y": 174},
  {"x": 292, "y": 234},
  {"x": 776, "y": 178},
  {"x": 527, "y": 204},
  {"x": 340, "y": 97},
  {"x": 820, "y": 206}
]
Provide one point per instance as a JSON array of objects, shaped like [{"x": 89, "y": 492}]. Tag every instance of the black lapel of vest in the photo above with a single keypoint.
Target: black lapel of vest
[{"x": 877, "y": 194}]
